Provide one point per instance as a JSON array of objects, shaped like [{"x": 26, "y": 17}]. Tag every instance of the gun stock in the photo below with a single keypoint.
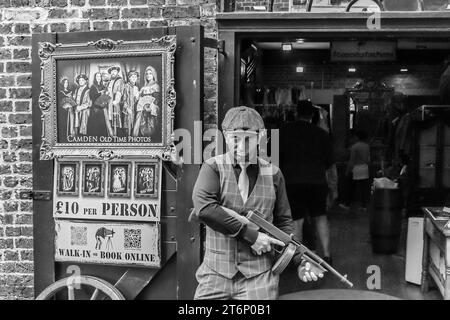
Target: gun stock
[{"x": 284, "y": 237}]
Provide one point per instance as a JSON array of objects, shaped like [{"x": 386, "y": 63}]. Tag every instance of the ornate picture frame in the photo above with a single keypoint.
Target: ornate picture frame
[
  {"x": 146, "y": 179},
  {"x": 107, "y": 99},
  {"x": 94, "y": 176},
  {"x": 67, "y": 178},
  {"x": 119, "y": 179}
]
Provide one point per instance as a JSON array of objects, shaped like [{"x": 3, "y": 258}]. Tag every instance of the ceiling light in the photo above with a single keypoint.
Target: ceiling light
[
  {"x": 403, "y": 70},
  {"x": 300, "y": 40},
  {"x": 300, "y": 69},
  {"x": 287, "y": 46},
  {"x": 352, "y": 69}
]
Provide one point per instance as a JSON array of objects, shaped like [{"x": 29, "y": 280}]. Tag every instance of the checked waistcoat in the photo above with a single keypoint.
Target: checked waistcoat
[{"x": 227, "y": 255}]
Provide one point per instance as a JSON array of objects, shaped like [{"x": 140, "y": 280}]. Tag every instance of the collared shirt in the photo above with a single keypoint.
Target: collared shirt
[{"x": 206, "y": 198}]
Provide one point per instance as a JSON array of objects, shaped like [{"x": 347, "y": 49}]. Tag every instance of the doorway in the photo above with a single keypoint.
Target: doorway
[{"x": 274, "y": 66}]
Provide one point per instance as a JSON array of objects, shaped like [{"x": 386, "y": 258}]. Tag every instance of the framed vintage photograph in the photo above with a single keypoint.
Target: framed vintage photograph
[
  {"x": 93, "y": 179},
  {"x": 119, "y": 179},
  {"x": 108, "y": 99},
  {"x": 146, "y": 179},
  {"x": 67, "y": 178}
]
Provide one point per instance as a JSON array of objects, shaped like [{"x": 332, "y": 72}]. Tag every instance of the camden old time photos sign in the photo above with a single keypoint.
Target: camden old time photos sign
[
  {"x": 107, "y": 94},
  {"x": 107, "y": 110}
]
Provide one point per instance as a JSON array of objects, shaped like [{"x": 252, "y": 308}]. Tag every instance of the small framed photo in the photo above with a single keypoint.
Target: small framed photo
[
  {"x": 68, "y": 178},
  {"x": 146, "y": 180},
  {"x": 93, "y": 179},
  {"x": 119, "y": 179}
]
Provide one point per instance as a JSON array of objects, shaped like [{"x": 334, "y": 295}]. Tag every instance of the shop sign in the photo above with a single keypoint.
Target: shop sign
[
  {"x": 108, "y": 243},
  {"x": 107, "y": 98},
  {"x": 363, "y": 51},
  {"x": 116, "y": 190}
]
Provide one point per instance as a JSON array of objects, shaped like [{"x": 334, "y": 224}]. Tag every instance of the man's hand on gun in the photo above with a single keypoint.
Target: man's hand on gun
[
  {"x": 264, "y": 243},
  {"x": 306, "y": 271}
]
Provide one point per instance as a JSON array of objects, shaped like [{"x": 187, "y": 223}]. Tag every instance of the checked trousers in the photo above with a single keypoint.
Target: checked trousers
[{"x": 213, "y": 286}]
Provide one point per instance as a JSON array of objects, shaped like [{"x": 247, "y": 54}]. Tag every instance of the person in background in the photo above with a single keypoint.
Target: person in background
[
  {"x": 115, "y": 90},
  {"x": 346, "y": 196},
  {"x": 130, "y": 98},
  {"x": 358, "y": 168},
  {"x": 148, "y": 105},
  {"x": 306, "y": 154},
  {"x": 81, "y": 97},
  {"x": 68, "y": 103},
  {"x": 98, "y": 123}
]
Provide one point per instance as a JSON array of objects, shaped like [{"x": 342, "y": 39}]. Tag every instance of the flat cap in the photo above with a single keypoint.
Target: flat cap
[{"x": 242, "y": 118}]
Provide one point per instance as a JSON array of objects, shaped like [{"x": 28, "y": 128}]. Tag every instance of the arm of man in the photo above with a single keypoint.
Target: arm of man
[{"x": 206, "y": 199}]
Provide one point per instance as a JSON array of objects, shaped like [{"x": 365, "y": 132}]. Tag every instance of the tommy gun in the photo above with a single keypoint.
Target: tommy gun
[{"x": 291, "y": 248}]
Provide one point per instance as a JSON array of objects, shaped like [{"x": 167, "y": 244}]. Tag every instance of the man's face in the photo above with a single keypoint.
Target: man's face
[
  {"x": 82, "y": 82},
  {"x": 105, "y": 78},
  {"x": 243, "y": 145},
  {"x": 133, "y": 78},
  {"x": 114, "y": 73}
]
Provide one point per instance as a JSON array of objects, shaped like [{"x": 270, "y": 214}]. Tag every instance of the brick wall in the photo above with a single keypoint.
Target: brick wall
[{"x": 18, "y": 20}]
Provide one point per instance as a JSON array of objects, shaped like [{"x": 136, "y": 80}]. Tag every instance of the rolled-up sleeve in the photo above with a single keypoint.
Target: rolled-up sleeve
[{"x": 206, "y": 199}]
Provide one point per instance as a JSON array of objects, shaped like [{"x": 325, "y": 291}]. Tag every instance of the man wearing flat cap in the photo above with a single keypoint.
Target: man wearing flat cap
[
  {"x": 115, "y": 90},
  {"x": 238, "y": 258},
  {"x": 81, "y": 97}
]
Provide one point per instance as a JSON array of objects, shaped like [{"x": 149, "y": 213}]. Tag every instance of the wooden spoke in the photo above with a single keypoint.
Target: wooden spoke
[{"x": 95, "y": 294}]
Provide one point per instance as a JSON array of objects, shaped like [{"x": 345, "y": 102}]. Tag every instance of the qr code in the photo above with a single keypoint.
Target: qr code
[
  {"x": 132, "y": 238},
  {"x": 78, "y": 236}
]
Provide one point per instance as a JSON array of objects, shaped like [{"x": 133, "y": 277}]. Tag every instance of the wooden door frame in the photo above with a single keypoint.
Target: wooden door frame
[
  {"x": 232, "y": 27},
  {"x": 189, "y": 60}
]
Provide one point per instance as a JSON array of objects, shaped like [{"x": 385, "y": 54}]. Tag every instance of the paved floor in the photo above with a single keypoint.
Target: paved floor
[{"x": 352, "y": 255}]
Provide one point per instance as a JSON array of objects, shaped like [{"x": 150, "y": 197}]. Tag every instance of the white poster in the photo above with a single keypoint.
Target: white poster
[{"x": 108, "y": 243}]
